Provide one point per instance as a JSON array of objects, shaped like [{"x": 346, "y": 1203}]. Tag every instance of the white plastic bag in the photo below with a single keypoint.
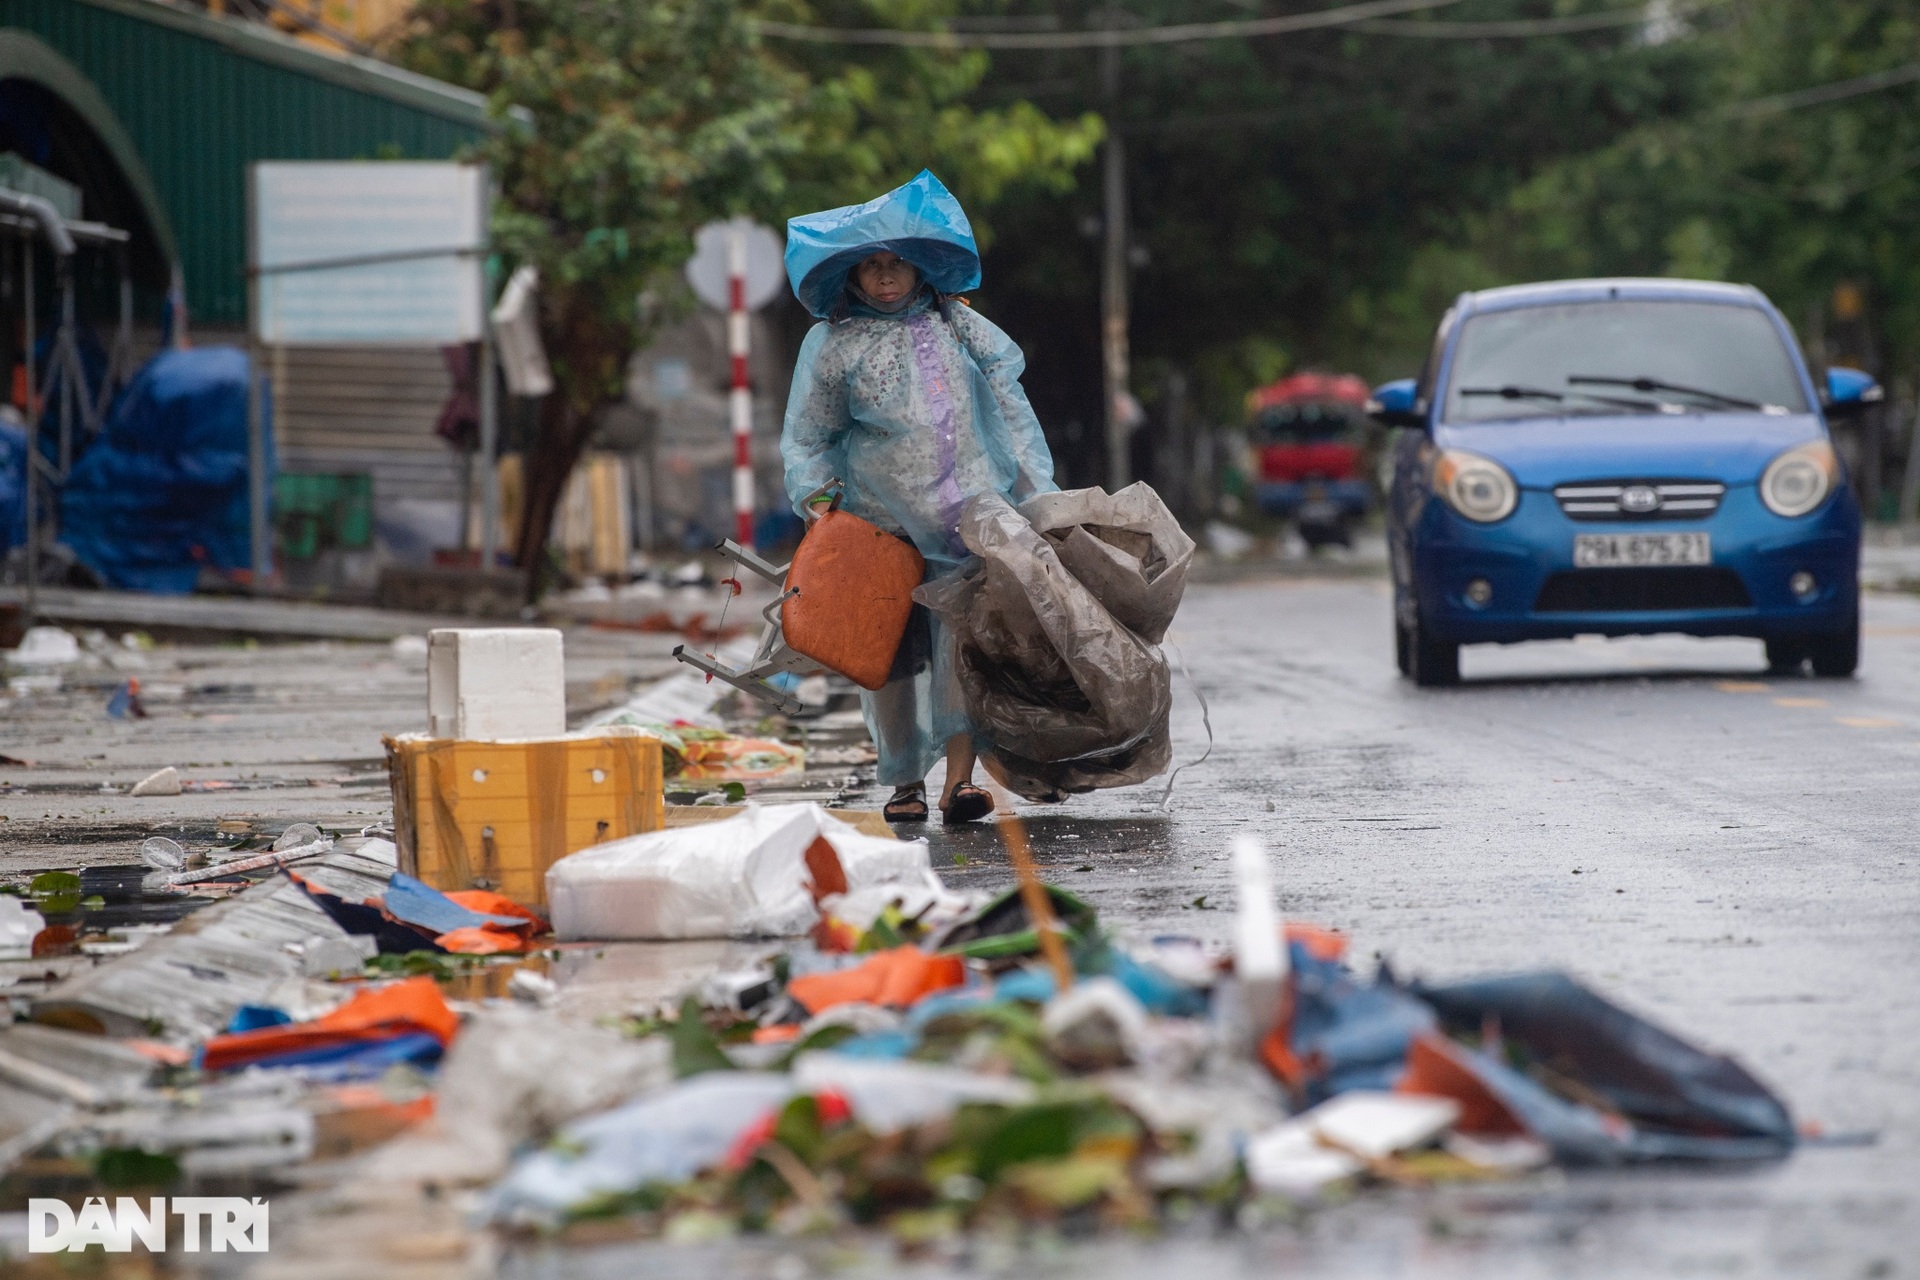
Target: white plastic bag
[
  {"x": 742, "y": 877},
  {"x": 667, "y": 1135}
]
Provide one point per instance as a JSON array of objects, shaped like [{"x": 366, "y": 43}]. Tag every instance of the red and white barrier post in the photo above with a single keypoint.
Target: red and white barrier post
[{"x": 740, "y": 397}]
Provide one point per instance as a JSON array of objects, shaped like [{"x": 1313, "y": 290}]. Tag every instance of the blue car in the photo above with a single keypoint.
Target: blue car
[{"x": 1621, "y": 457}]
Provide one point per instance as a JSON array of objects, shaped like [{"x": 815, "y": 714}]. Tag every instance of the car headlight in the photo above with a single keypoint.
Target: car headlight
[
  {"x": 1478, "y": 488},
  {"x": 1800, "y": 479}
]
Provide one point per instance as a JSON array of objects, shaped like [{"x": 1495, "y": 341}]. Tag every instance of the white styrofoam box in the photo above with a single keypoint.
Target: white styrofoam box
[{"x": 496, "y": 682}]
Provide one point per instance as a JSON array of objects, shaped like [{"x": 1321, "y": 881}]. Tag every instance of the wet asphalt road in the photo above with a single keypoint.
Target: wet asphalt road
[{"x": 1729, "y": 854}]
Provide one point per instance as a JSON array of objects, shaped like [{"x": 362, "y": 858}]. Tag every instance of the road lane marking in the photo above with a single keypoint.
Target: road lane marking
[
  {"x": 1867, "y": 722},
  {"x": 1743, "y": 686},
  {"x": 1799, "y": 702}
]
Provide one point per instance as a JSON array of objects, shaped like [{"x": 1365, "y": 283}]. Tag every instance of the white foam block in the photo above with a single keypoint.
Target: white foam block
[{"x": 496, "y": 682}]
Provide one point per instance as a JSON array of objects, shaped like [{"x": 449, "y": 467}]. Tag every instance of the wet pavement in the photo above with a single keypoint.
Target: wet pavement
[
  {"x": 1729, "y": 854},
  {"x": 1726, "y": 853},
  {"x": 266, "y": 734}
]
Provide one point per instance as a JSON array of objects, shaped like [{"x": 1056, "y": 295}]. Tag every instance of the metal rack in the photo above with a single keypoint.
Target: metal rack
[{"x": 33, "y": 220}]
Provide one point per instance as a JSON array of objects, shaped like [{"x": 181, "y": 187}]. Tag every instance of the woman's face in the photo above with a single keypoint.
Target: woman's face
[{"x": 886, "y": 277}]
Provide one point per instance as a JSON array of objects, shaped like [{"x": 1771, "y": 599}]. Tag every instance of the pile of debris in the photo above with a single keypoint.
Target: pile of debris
[
  {"x": 889, "y": 1055},
  {"x": 919, "y": 1063}
]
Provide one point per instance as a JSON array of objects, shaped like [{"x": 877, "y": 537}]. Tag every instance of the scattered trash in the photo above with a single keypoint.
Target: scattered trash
[
  {"x": 277, "y": 857},
  {"x": 1260, "y": 954},
  {"x": 159, "y": 852},
  {"x": 881, "y": 1074},
  {"x": 489, "y": 683},
  {"x": 161, "y": 782},
  {"x": 125, "y": 704},
  {"x": 1080, "y": 700},
  {"x": 296, "y": 835},
  {"x": 497, "y": 815},
  {"x": 19, "y": 926},
  {"x": 399, "y": 1016},
  {"x": 757, "y": 874},
  {"x": 330, "y": 957},
  {"x": 1096, "y": 1026},
  {"x": 45, "y": 647}
]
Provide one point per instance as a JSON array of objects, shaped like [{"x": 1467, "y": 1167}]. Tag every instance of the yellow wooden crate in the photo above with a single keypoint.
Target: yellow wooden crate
[{"x": 496, "y": 815}]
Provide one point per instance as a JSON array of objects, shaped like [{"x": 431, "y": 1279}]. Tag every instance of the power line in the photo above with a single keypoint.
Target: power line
[
  {"x": 1820, "y": 94},
  {"x": 1520, "y": 28},
  {"x": 1180, "y": 34}
]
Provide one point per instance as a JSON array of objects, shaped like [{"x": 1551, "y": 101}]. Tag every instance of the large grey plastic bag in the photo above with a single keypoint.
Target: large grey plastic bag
[{"x": 1054, "y": 628}]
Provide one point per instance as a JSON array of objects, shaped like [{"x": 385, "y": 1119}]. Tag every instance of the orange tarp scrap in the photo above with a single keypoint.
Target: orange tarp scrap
[
  {"x": 898, "y": 977},
  {"x": 414, "y": 1004}
]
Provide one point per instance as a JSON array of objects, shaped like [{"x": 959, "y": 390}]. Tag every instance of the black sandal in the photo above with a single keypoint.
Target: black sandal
[
  {"x": 910, "y": 807},
  {"x": 966, "y": 803}
]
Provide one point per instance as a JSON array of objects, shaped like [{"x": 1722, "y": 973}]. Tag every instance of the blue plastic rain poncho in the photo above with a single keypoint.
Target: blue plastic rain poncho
[{"x": 914, "y": 410}]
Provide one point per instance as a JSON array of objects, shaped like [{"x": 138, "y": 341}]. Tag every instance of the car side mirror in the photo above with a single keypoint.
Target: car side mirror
[
  {"x": 1397, "y": 404},
  {"x": 1850, "y": 391}
]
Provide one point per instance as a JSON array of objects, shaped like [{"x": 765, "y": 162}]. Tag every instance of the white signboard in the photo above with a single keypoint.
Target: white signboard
[
  {"x": 368, "y": 251},
  {"x": 709, "y": 269}
]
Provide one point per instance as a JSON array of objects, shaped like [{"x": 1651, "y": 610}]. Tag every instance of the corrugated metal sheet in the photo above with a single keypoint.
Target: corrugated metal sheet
[
  {"x": 204, "y": 97},
  {"x": 368, "y": 410}
]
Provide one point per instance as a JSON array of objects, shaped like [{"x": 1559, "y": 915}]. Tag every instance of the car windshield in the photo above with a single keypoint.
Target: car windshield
[{"x": 1621, "y": 357}]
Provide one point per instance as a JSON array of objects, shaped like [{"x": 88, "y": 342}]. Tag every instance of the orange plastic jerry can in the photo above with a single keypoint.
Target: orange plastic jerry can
[{"x": 851, "y": 587}]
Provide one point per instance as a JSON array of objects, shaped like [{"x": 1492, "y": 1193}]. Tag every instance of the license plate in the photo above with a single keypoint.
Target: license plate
[{"x": 1637, "y": 550}]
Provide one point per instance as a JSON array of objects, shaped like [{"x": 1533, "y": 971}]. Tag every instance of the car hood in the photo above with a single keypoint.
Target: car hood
[{"x": 1732, "y": 448}]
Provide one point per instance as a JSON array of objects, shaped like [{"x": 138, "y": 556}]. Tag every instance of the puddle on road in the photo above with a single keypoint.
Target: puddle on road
[{"x": 1060, "y": 843}]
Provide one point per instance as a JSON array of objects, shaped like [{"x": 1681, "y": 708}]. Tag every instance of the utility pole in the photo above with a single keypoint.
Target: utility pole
[{"x": 1113, "y": 276}]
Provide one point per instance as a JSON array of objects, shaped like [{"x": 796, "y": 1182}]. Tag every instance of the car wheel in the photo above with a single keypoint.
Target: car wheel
[
  {"x": 1785, "y": 654},
  {"x": 1433, "y": 661},
  {"x": 1836, "y": 653},
  {"x": 1402, "y": 649}
]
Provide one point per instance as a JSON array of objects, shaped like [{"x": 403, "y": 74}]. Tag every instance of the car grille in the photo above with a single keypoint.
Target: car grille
[
  {"x": 1642, "y": 590},
  {"x": 1640, "y": 499}
]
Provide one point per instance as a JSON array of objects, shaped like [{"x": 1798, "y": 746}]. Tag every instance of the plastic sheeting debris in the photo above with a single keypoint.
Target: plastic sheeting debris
[
  {"x": 745, "y": 876},
  {"x": 667, "y": 1135},
  {"x": 410, "y": 1007},
  {"x": 1057, "y": 632}
]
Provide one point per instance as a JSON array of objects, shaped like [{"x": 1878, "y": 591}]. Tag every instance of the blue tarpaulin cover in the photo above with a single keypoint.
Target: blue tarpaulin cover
[
  {"x": 163, "y": 492},
  {"x": 13, "y": 485},
  {"x": 921, "y": 221}
]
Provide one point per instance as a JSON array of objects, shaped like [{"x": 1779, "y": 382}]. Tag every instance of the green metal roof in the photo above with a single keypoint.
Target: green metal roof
[{"x": 189, "y": 100}]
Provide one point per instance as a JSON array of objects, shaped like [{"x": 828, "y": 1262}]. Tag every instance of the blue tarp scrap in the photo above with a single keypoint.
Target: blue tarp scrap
[
  {"x": 13, "y": 485},
  {"x": 163, "y": 492}
]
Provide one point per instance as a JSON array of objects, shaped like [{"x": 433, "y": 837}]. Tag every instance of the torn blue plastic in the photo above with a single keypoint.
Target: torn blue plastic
[
  {"x": 360, "y": 1059},
  {"x": 427, "y": 908},
  {"x": 252, "y": 1017},
  {"x": 877, "y": 1044},
  {"x": 360, "y": 919},
  {"x": 1354, "y": 1035},
  {"x": 921, "y": 221}
]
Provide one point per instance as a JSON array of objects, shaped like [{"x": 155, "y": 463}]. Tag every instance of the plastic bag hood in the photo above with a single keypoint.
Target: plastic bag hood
[{"x": 921, "y": 221}]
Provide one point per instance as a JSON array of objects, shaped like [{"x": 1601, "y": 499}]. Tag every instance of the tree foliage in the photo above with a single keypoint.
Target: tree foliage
[
  {"x": 1794, "y": 195},
  {"x": 1296, "y": 199}
]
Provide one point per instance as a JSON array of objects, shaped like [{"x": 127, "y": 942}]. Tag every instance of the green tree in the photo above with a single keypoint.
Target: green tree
[
  {"x": 1800, "y": 173},
  {"x": 649, "y": 118},
  {"x": 1307, "y": 198}
]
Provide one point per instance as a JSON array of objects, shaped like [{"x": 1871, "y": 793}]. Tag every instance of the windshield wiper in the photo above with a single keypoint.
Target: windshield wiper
[
  {"x": 1654, "y": 384},
  {"x": 1512, "y": 392}
]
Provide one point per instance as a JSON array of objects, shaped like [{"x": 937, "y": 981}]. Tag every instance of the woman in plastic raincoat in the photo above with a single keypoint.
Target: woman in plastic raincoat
[{"x": 913, "y": 401}]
